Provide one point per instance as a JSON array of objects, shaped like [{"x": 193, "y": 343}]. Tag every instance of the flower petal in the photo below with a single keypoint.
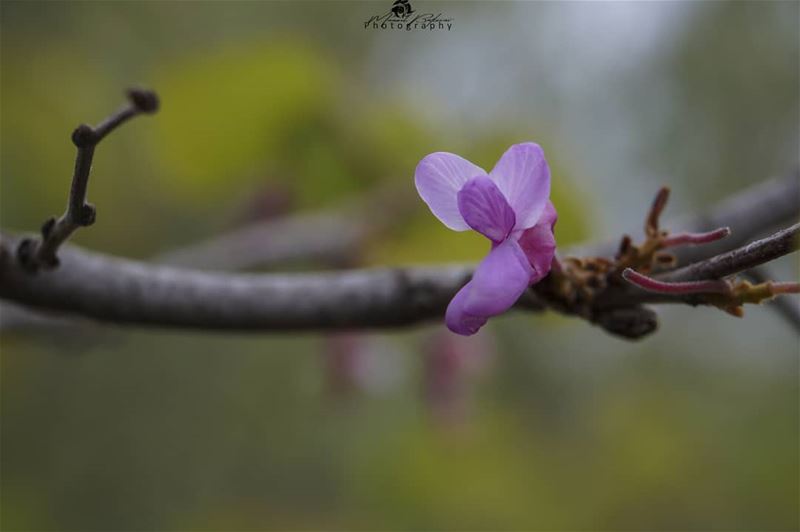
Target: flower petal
[
  {"x": 523, "y": 176},
  {"x": 439, "y": 177},
  {"x": 485, "y": 209},
  {"x": 539, "y": 243},
  {"x": 499, "y": 280},
  {"x": 457, "y": 319},
  {"x": 495, "y": 286}
]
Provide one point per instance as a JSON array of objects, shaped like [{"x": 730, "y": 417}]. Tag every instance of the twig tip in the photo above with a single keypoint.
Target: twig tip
[
  {"x": 144, "y": 100},
  {"x": 659, "y": 202},
  {"x": 785, "y": 287}
]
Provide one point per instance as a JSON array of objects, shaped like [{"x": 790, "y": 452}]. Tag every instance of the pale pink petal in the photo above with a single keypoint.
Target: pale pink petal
[
  {"x": 484, "y": 208},
  {"x": 439, "y": 177},
  {"x": 523, "y": 176}
]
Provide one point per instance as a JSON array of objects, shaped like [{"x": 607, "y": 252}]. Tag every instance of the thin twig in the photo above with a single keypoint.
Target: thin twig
[
  {"x": 750, "y": 213},
  {"x": 740, "y": 259},
  {"x": 35, "y": 254},
  {"x": 660, "y": 201},
  {"x": 695, "y": 239},
  {"x": 785, "y": 306},
  {"x": 709, "y": 286},
  {"x": 779, "y": 206},
  {"x": 785, "y": 287}
]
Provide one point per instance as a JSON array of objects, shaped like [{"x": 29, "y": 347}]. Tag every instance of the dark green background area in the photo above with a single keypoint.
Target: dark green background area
[{"x": 551, "y": 423}]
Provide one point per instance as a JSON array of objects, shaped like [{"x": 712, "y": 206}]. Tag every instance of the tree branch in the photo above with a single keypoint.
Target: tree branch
[
  {"x": 124, "y": 291},
  {"x": 41, "y": 253}
]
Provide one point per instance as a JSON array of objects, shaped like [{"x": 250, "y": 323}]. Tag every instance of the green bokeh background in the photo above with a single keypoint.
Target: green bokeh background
[{"x": 553, "y": 425}]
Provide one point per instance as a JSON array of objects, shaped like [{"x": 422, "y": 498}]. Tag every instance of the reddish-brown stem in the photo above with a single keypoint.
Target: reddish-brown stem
[
  {"x": 785, "y": 288},
  {"x": 660, "y": 201},
  {"x": 695, "y": 238},
  {"x": 711, "y": 286}
]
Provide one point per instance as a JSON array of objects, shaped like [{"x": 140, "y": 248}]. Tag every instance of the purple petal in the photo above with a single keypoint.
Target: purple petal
[
  {"x": 539, "y": 243},
  {"x": 523, "y": 176},
  {"x": 484, "y": 208},
  {"x": 495, "y": 286},
  {"x": 457, "y": 319},
  {"x": 439, "y": 177}
]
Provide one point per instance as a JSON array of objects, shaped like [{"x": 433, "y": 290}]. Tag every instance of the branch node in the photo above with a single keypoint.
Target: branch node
[
  {"x": 665, "y": 260},
  {"x": 84, "y": 136},
  {"x": 87, "y": 215},
  {"x": 47, "y": 227}
]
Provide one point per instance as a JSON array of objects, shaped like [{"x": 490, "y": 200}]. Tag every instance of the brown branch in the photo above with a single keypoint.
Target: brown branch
[{"x": 35, "y": 254}]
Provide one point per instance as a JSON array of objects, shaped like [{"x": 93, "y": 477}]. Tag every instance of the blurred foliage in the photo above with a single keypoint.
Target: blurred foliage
[
  {"x": 564, "y": 428},
  {"x": 740, "y": 107},
  {"x": 251, "y": 440},
  {"x": 266, "y": 102}
]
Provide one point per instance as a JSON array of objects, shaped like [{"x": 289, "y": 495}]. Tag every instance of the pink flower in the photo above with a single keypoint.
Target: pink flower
[{"x": 511, "y": 207}]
